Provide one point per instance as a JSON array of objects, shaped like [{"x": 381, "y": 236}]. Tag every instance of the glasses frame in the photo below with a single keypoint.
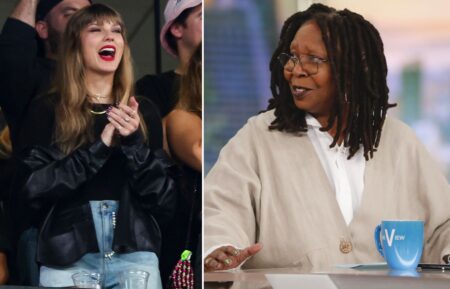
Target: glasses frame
[{"x": 298, "y": 60}]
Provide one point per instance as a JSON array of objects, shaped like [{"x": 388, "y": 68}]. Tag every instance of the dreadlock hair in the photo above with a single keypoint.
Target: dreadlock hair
[{"x": 359, "y": 70}]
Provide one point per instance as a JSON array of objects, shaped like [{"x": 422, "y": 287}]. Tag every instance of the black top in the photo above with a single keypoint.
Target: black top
[
  {"x": 55, "y": 188},
  {"x": 23, "y": 74},
  {"x": 162, "y": 89}
]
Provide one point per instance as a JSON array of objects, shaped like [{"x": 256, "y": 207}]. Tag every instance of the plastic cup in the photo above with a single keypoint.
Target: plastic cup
[
  {"x": 134, "y": 279},
  {"x": 84, "y": 279}
]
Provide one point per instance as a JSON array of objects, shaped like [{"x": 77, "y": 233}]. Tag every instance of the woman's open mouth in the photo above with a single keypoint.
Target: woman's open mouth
[
  {"x": 299, "y": 92},
  {"x": 107, "y": 53}
]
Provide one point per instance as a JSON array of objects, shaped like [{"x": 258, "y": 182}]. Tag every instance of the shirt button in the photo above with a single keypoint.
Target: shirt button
[{"x": 345, "y": 246}]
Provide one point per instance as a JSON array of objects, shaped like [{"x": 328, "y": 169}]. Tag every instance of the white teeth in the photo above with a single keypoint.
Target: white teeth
[
  {"x": 108, "y": 49},
  {"x": 299, "y": 90}
]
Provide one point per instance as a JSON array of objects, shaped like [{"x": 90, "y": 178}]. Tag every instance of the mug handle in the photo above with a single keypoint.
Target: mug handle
[{"x": 378, "y": 241}]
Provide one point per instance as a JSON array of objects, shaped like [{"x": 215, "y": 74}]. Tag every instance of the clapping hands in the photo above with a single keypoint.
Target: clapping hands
[{"x": 124, "y": 120}]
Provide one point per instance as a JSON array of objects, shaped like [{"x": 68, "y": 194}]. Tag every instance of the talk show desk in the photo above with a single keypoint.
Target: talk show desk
[{"x": 327, "y": 279}]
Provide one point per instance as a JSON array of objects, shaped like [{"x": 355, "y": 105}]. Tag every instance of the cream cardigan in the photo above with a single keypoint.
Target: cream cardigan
[{"x": 269, "y": 187}]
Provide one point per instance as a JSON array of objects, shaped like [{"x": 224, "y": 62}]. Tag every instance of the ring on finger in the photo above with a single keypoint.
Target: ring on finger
[
  {"x": 127, "y": 119},
  {"x": 235, "y": 252},
  {"x": 227, "y": 262}
]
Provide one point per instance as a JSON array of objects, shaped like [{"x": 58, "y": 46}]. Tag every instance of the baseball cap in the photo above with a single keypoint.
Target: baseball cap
[
  {"x": 45, "y": 6},
  {"x": 173, "y": 9}
]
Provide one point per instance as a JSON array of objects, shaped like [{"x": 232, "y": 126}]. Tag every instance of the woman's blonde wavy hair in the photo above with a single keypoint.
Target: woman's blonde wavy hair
[{"x": 74, "y": 122}]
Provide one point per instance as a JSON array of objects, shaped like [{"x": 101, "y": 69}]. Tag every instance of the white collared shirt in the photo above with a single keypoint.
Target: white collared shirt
[{"x": 346, "y": 176}]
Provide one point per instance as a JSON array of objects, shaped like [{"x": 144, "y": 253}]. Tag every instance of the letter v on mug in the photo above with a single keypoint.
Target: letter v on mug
[
  {"x": 390, "y": 238},
  {"x": 400, "y": 243}
]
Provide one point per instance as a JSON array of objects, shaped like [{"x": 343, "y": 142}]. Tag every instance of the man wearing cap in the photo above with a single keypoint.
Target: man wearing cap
[
  {"x": 180, "y": 36},
  {"x": 28, "y": 50}
]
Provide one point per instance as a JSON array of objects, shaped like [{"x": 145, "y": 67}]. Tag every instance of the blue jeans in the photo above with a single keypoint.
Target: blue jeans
[{"x": 107, "y": 262}]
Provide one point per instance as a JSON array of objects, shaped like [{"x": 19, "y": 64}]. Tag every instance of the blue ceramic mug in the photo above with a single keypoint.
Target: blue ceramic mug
[{"x": 400, "y": 243}]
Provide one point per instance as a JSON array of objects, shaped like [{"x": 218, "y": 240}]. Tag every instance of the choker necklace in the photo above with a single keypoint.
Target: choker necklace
[
  {"x": 97, "y": 112},
  {"x": 91, "y": 110}
]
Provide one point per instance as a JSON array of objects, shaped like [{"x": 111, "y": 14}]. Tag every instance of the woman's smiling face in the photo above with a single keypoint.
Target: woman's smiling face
[
  {"x": 313, "y": 93},
  {"x": 102, "y": 47}
]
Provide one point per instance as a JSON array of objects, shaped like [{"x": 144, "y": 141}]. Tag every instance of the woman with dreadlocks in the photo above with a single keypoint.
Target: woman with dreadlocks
[{"x": 311, "y": 177}]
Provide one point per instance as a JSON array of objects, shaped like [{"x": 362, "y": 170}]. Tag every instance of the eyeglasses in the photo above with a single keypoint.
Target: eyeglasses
[{"x": 308, "y": 63}]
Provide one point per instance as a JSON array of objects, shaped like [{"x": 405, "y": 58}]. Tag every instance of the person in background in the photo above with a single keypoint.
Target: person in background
[
  {"x": 5, "y": 177},
  {"x": 180, "y": 37},
  {"x": 5, "y": 247},
  {"x": 184, "y": 138},
  {"x": 28, "y": 53},
  {"x": 305, "y": 183},
  {"x": 28, "y": 50},
  {"x": 5, "y": 242},
  {"x": 115, "y": 185},
  {"x": 184, "y": 122}
]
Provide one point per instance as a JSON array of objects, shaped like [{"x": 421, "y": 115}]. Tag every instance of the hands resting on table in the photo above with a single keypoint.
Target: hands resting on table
[{"x": 228, "y": 257}]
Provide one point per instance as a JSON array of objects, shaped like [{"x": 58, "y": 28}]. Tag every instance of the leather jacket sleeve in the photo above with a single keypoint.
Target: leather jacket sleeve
[
  {"x": 50, "y": 175},
  {"x": 152, "y": 178}
]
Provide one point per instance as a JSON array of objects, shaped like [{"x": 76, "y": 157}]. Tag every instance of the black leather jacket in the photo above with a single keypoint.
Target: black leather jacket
[{"x": 67, "y": 232}]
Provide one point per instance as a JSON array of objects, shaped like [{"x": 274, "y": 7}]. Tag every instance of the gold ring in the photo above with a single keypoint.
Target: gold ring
[
  {"x": 236, "y": 252},
  {"x": 227, "y": 262}
]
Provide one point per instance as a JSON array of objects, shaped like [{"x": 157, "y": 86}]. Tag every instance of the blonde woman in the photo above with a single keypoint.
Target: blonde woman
[{"x": 101, "y": 188}]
